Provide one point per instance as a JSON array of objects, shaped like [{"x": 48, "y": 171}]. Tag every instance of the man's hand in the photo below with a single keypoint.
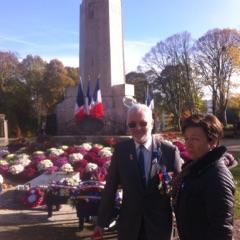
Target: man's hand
[{"x": 98, "y": 233}]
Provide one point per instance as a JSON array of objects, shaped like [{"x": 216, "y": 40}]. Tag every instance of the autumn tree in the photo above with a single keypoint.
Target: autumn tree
[
  {"x": 234, "y": 53},
  {"x": 15, "y": 99},
  {"x": 215, "y": 65},
  {"x": 33, "y": 70},
  {"x": 140, "y": 83},
  {"x": 173, "y": 54},
  {"x": 8, "y": 69},
  {"x": 56, "y": 80},
  {"x": 73, "y": 73},
  {"x": 30, "y": 89}
]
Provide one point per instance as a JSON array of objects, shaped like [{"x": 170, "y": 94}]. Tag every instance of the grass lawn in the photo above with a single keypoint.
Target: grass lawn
[{"x": 236, "y": 173}]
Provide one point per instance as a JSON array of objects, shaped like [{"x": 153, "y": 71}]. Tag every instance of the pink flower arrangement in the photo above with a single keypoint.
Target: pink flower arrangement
[
  {"x": 59, "y": 162},
  {"x": 182, "y": 149},
  {"x": 29, "y": 172}
]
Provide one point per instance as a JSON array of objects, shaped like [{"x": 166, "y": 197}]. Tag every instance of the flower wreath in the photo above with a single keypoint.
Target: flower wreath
[
  {"x": 88, "y": 191},
  {"x": 34, "y": 198}
]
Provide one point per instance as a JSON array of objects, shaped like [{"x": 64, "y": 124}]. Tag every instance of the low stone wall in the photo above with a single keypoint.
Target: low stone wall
[{"x": 70, "y": 140}]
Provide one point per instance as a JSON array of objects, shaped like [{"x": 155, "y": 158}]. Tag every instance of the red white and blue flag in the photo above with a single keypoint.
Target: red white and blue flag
[
  {"x": 79, "y": 111},
  {"x": 97, "y": 110},
  {"x": 149, "y": 100},
  {"x": 88, "y": 100}
]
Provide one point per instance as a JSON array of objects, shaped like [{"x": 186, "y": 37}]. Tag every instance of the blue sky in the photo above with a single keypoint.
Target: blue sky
[{"x": 50, "y": 28}]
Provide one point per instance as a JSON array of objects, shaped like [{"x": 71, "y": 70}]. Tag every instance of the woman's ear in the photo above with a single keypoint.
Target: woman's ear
[{"x": 213, "y": 143}]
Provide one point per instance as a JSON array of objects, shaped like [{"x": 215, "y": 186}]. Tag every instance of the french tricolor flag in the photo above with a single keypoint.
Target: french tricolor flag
[
  {"x": 79, "y": 111},
  {"x": 97, "y": 110},
  {"x": 88, "y": 100},
  {"x": 149, "y": 100}
]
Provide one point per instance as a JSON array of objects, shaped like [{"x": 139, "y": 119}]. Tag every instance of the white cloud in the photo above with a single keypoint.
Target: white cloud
[
  {"x": 17, "y": 40},
  {"x": 68, "y": 61}
]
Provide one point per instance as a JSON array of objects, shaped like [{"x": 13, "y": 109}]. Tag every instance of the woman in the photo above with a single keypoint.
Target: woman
[{"x": 203, "y": 194}]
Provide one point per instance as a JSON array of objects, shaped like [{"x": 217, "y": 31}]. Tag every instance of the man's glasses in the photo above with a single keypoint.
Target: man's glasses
[{"x": 134, "y": 124}]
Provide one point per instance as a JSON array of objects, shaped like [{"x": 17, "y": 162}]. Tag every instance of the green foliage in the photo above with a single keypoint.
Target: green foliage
[
  {"x": 236, "y": 173},
  {"x": 8, "y": 69},
  {"x": 18, "y": 109},
  {"x": 140, "y": 83}
]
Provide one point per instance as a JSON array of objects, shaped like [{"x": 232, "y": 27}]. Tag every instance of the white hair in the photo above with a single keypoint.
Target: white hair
[{"x": 139, "y": 107}]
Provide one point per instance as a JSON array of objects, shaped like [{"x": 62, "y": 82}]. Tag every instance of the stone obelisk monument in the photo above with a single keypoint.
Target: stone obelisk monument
[{"x": 102, "y": 54}]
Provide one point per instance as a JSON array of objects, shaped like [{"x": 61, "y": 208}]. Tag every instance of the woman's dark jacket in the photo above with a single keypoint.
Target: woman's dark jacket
[{"x": 205, "y": 202}]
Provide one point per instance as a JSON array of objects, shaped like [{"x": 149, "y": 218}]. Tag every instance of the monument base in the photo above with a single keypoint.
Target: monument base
[{"x": 113, "y": 123}]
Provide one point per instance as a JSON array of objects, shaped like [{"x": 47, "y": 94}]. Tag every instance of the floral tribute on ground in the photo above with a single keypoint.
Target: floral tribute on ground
[{"x": 25, "y": 161}]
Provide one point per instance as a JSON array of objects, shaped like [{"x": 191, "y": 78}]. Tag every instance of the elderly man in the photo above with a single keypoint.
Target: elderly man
[{"x": 141, "y": 167}]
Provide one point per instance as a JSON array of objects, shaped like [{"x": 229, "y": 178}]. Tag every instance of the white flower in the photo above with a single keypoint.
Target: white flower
[
  {"x": 97, "y": 145},
  {"x": 67, "y": 167},
  {"x": 3, "y": 162},
  {"x": 91, "y": 167},
  {"x": 75, "y": 157},
  {"x": 16, "y": 169},
  {"x": 38, "y": 153},
  {"x": 44, "y": 164},
  {"x": 10, "y": 157},
  {"x": 71, "y": 181},
  {"x": 52, "y": 149},
  {"x": 64, "y": 147},
  {"x": 22, "y": 155},
  {"x": 1, "y": 179},
  {"x": 86, "y": 146},
  {"x": 55, "y": 151},
  {"x": 23, "y": 159},
  {"x": 105, "y": 152}
]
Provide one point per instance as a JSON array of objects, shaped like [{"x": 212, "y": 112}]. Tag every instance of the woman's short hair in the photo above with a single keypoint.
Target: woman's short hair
[{"x": 209, "y": 123}]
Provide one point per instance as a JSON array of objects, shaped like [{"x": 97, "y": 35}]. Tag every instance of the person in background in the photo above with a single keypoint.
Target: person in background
[
  {"x": 142, "y": 167},
  {"x": 203, "y": 193}
]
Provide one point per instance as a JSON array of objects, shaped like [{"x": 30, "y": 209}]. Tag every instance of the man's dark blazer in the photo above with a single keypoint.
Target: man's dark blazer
[{"x": 139, "y": 204}]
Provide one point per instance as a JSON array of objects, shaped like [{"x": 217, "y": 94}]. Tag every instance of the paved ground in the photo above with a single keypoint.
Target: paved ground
[
  {"x": 232, "y": 144},
  {"x": 17, "y": 223},
  {"x": 34, "y": 224}
]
